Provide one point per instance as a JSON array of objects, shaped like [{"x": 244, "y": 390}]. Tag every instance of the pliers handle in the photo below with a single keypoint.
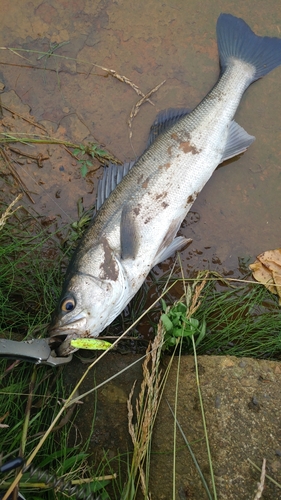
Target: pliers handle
[{"x": 36, "y": 351}]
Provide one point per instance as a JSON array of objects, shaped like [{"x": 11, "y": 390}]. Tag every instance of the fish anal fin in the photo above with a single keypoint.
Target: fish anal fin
[
  {"x": 238, "y": 140},
  {"x": 166, "y": 252}
]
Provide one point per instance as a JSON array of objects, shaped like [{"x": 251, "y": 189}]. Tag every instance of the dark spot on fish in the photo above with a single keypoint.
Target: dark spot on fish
[
  {"x": 161, "y": 195},
  {"x": 136, "y": 210},
  {"x": 145, "y": 183},
  {"x": 174, "y": 136},
  {"x": 166, "y": 166},
  {"x": 186, "y": 147},
  {"x": 147, "y": 220},
  {"x": 109, "y": 268},
  {"x": 164, "y": 204},
  {"x": 191, "y": 198}
]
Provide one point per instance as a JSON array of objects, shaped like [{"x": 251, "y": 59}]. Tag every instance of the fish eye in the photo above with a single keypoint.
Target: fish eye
[{"x": 68, "y": 304}]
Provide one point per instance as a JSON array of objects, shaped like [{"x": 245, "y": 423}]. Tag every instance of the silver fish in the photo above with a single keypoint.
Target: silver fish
[{"x": 136, "y": 226}]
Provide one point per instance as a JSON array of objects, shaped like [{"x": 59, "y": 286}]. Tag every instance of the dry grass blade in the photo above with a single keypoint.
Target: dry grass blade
[
  {"x": 266, "y": 475},
  {"x": 9, "y": 211},
  {"x": 109, "y": 71},
  {"x": 196, "y": 292},
  {"x": 137, "y": 106},
  {"x": 261, "y": 483},
  {"x": 121, "y": 78},
  {"x": 141, "y": 420}
]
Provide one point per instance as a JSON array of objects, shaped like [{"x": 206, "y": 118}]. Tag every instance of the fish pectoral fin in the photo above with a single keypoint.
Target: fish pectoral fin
[
  {"x": 176, "y": 245},
  {"x": 128, "y": 234},
  {"x": 238, "y": 140}
]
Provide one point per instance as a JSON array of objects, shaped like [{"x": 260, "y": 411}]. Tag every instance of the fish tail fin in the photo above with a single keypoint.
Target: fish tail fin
[{"x": 237, "y": 40}]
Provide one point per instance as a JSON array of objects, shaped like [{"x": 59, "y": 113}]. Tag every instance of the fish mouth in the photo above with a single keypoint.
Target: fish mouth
[
  {"x": 61, "y": 344},
  {"x": 61, "y": 336},
  {"x": 78, "y": 326}
]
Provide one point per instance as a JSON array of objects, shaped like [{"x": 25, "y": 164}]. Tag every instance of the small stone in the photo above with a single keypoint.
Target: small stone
[
  {"x": 218, "y": 402},
  {"x": 227, "y": 363}
]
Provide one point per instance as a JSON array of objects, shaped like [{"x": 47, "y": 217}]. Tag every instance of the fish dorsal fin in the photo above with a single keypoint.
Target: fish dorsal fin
[
  {"x": 238, "y": 140},
  {"x": 164, "y": 120},
  {"x": 112, "y": 175}
]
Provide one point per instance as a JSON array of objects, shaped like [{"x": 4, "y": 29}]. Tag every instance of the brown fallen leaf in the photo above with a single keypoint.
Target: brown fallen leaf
[
  {"x": 271, "y": 255},
  {"x": 277, "y": 281},
  {"x": 267, "y": 270}
]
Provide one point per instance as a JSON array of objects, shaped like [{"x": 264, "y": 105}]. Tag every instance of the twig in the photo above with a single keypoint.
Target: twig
[
  {"x": 266, "y": 475},
  {"x": 38, "y": 158},
  {"x": 137, "y": 106},
  {"x": 15, "y": 174},
  {"x": 32, "y": 122}
]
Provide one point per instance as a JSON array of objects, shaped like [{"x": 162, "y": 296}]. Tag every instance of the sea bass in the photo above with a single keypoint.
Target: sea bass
[{"x": 136, "y": 226}]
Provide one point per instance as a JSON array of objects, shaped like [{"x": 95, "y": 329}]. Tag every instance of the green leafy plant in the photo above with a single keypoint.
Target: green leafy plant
[
  {"x": 83, "y": 152},
  {"x": 177, "y": 324}
]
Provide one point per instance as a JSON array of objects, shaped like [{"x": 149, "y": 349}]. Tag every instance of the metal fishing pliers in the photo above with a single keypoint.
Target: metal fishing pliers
[{"x": 38, "y": 351}]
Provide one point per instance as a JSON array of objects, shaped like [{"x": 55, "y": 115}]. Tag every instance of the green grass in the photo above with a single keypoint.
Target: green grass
[
  {"x": 28, "y": 279},
  {"x": 31, "y": 397},
  {"x": 240, "y": 319}
]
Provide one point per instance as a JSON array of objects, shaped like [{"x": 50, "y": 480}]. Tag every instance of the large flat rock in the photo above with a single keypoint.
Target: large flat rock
[{"x": 242, "y": 402}]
